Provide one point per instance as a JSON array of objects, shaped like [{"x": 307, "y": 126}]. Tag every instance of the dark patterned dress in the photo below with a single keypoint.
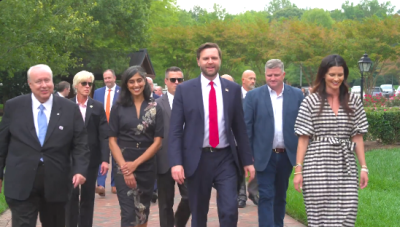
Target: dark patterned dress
[
  {"x": 330, "y": 178},
  {"x": 135, "y": 134}
]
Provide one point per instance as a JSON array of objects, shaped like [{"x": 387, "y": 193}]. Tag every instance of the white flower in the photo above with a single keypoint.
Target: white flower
[{"x": 140, "y": 127}]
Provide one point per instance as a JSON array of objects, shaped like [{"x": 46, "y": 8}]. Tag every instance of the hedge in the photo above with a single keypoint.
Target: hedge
[{"x": 384, "y": 124}]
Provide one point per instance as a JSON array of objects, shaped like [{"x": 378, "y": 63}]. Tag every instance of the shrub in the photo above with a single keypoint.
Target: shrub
[{"x": 384, "y": 124}]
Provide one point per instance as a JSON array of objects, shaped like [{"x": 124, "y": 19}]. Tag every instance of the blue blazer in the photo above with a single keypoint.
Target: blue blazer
[
  {"x": 186, "y": 132},
  {"x": 100, "y": 92},
  {"x": 260, "y": 123}
]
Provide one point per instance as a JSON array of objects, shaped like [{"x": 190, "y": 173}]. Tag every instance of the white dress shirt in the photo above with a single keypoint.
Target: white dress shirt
[
  {"x": 60, "y": 94},
  {"x": 170, "y": 99},
  {"x": 35, "y": 110},
  {"x": 205, "y": 88},
  {"x": 277, "y": 106},
  {"x": 112, "y": 93},
  {"x": 82, "y": 108},
  {"x": 244, "y": 93}
]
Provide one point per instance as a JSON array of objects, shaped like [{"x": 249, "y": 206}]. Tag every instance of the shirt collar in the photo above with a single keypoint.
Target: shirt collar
[
  {"x": 205, "y": 82},
  {"x": 47, "y": 105},
  {"x": 170, "y": 95},
  {"x": 112, "y": 89},
  {"x": 84, "y": 105},
  {"x": 270, "y": 90},
  {"x": 60, "y": 94},
  {"x": 244, "y": 92}
]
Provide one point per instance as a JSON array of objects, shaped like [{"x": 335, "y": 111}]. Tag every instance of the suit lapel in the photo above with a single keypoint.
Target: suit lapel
[
  {"x": 198, "y": 93},
  {"x": 116, "y": 94},
  {"x": 225, "y": 97},
  {"x": 89, "y": 109},
  {"x": 286, "y": 98},
  {"x": 54, "y": 117},
  {"x": 31, "y": 123},
  {"x": 167, "y": 107},
  {"x": 268, "y": 102}
]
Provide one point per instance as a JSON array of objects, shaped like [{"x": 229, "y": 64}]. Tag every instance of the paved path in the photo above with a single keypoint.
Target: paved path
[{"x": 107, "y": 213}]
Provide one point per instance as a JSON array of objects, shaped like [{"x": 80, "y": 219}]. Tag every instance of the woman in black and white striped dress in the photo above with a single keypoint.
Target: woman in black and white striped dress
[{"x": 329, "y": 125}]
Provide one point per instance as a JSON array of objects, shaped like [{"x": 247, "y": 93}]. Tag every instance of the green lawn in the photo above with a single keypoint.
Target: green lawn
[
  {"x": 378, "y": 204},
  {"x": 3, "y": 204}
]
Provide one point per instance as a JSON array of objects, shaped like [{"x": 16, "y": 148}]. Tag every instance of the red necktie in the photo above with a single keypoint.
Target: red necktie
[{"x": 213, "y": 117}]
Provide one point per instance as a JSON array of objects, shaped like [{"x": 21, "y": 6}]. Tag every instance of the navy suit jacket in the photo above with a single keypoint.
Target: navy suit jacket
[
  {"x": 260, "y": 123},
  {"x": 100, "y": 92},
  {"x": 186, "y": 132}
]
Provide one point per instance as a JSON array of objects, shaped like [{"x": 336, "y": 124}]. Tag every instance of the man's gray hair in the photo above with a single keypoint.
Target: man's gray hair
[
  {"x": 273, "y": 64},
  {"x": 43, "y": 66}
]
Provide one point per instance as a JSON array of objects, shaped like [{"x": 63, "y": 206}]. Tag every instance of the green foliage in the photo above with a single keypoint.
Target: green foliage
[
  {"x": 384, "y": 125},
  {"x": 319, "y": 17},
  {"x": 46, "y": 31},
  {"x": 380, "y": 195}
]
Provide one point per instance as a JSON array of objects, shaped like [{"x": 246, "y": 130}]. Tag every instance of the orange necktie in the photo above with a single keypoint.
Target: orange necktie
[{"x": 108, "y": 105}]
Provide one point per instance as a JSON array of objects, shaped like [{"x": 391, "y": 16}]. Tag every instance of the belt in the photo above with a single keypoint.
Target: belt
[
  {"x": 212, "y": 149},
  {"x": 279, "y": 150},
  {"x": 347, "y": 147},
  {"x": 131, "y": 144}
]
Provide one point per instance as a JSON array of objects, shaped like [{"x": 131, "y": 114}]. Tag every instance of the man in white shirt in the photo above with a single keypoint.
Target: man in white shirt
[
  {"x": 107, "y": 95},
  {"x": 248, "y": 84},
  {"x": 270, "y": 112},
  {"x": 63, "y": 88},
  {"x": 166, "y": 184}
]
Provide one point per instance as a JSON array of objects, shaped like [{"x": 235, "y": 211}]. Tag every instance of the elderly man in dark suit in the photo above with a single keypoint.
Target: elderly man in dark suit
[
  {"x": 270, "y": 113},
  {"x": 166, "y": 184},
  {"x": 39, "y": 136},
  {"x": 207, "y": 118},
  {"x": 81, "y": 204}
]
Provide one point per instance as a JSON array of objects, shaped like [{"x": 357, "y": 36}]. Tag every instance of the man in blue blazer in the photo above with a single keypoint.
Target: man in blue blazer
[
  {"x": 270, "y": 113},
  {"x": 107, "y": 95},
  {"x": 207, "y": 117}
]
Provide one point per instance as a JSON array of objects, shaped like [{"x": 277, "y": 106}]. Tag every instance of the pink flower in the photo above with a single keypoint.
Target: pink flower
[{"x": 384, "y": 110}]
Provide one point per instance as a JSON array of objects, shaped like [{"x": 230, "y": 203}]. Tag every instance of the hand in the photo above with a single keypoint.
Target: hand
[
  {"x": 78, "y": 179},
  {"x": 128, "y": 168},
  {"x": 130, "y": 180},
  {"x": 103, "y": 168},
  {"x": 363, "y": 179},
  {"x": 250, "y": 169},
  {"x": 298, "y": 182},
  {"x": 178, "y": 174}
]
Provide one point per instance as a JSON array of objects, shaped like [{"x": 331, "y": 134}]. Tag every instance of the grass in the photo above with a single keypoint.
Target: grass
[
  {"x": 3, "y": 204},
  {"x": 378, "y": 204}
]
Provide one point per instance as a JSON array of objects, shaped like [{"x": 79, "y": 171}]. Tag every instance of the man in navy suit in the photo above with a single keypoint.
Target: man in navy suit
[
  {"x": 207, "y": 118},
  {"x": 107, "y": 95},
  {"x": 270, "y": 113}
]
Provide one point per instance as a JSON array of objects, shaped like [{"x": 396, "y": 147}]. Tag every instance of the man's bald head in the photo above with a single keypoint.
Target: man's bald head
[
  {"x": 248, "y": 80},
  {"x": 227, "y": 77}
]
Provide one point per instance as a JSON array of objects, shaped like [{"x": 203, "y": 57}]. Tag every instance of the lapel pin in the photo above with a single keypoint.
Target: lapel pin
[
  {"x": 61, "y": 128},
  {"x": 91, "y": 106},
  {"x": 226, "y": 89},
  {"x": 58, "y": 113}
]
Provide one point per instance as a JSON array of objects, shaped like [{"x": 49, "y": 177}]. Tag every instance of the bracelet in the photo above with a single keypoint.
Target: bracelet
[
  {"x": 365, "y": 170},
  {"x": 364, "y": 166},
  {"x": 297, "y": 173},
  {"x": 297, "y": 165}
]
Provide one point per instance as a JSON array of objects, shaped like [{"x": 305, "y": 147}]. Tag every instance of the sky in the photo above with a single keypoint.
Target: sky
[{"x": 235, "y": 7}]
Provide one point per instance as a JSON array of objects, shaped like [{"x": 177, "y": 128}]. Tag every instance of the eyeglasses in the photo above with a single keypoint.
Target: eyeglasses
[
  {"x": 173, "y": 80},
  {"x": 87, "y": 83}
]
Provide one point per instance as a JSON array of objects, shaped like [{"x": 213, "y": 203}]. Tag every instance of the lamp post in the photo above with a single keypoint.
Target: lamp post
[{"x": 364, "y": 64}]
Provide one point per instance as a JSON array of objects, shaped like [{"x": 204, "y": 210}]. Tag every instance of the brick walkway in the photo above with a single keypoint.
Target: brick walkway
[{"x": 107, "y": 213}]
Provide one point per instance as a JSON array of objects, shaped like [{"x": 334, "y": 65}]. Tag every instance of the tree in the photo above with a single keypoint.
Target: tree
[
  {"x": 46, "y": 31},
  {"x": 276, "y": 5},
  {"x": 318, "y": 16}
]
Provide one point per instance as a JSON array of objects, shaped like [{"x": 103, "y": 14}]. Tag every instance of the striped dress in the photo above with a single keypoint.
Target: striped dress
[{"x": 330, "y": 178}]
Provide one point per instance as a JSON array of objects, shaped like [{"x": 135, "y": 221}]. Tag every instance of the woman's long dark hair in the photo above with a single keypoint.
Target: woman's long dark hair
[
  {"x": 125, "y": 98},
  {"x": 320, "y": 85}
]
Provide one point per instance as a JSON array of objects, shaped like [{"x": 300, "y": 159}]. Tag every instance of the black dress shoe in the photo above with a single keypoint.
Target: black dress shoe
[
  {"x": 154, "y": 197},
  {"x": 254, "y": 198},
  {"x": 241, "y": 204}
]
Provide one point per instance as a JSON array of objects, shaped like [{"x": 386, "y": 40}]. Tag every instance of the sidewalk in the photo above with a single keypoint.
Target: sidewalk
[{"x": 107, "y": 213}]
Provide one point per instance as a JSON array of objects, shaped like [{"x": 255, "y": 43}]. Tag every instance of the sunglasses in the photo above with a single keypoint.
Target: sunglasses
[
  {"x": 173, "y": 80},
  {"x": 87, "y": 83}
]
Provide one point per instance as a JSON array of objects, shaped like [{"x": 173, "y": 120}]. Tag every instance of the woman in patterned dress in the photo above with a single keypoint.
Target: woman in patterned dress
[
  {"x": 330, "y": 123},
  {"x": 136, "y": 131}
]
